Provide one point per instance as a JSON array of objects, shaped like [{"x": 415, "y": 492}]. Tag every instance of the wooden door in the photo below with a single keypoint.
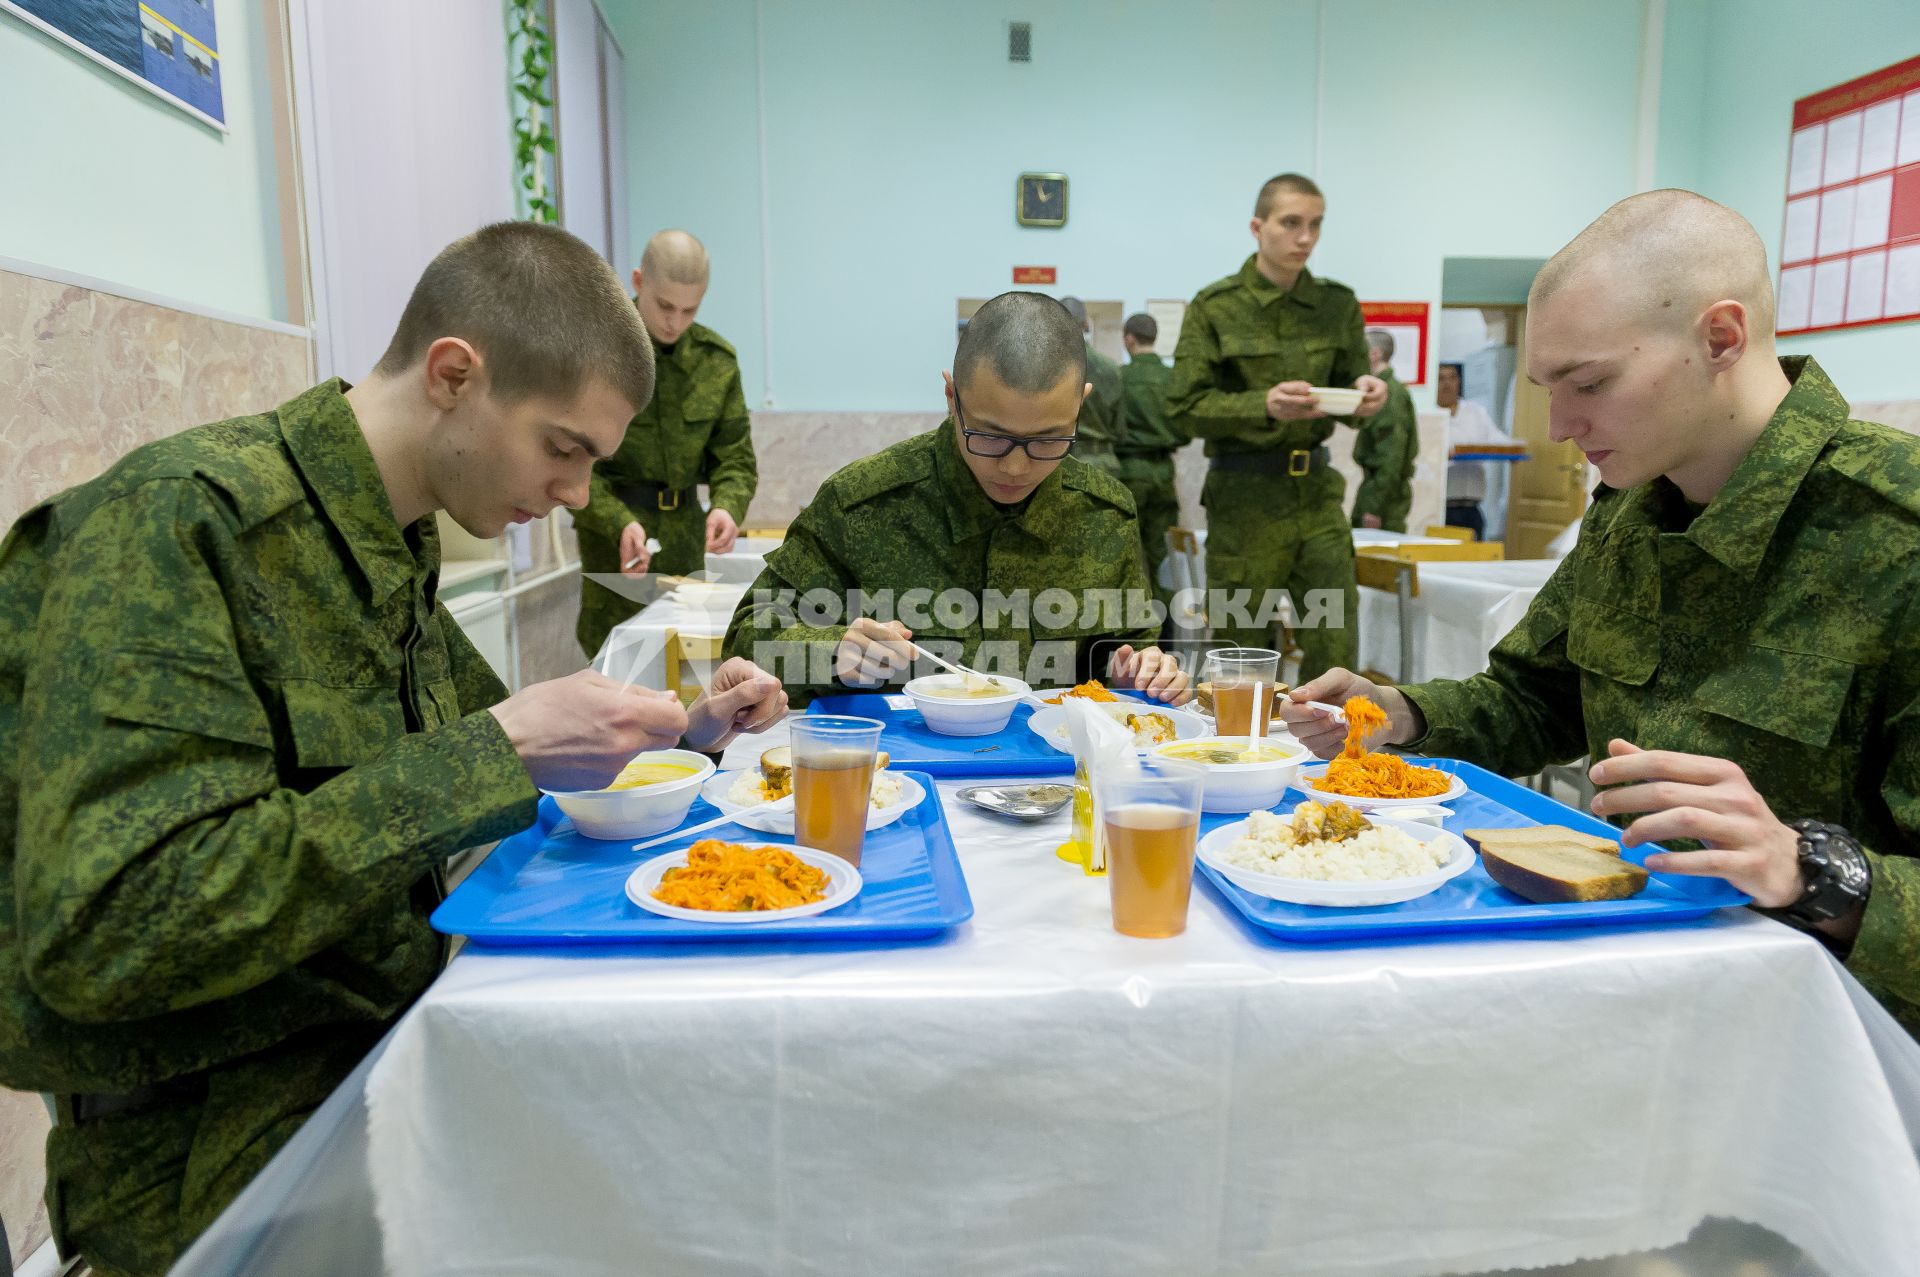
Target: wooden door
[{"x": 1549, "y": 489}]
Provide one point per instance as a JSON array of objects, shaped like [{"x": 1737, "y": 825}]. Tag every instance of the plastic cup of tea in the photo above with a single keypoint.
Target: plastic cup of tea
[
  {"x": 833, "y": 758},
  {"x": 1152, "y": 824},
  {"x": 1243, "y": 681}
]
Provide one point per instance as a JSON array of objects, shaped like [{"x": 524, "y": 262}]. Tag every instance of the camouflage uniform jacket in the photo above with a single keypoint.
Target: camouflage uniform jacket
[
  {"x": 1147, "y": 431},
  {"x": 913, "y": 518},
  {"x": 1387, "y": 447},
  {"x": 240, "y": 738},
  {"x": 1102, "y": 425},
  {"x": 1774, "y": 629},
  {"x": 695, "y": 431},
  {"x": 1241, "y": 337}
]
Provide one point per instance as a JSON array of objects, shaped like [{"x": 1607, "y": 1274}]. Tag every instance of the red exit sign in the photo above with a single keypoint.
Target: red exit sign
[{"x": 1036, "y": 274}]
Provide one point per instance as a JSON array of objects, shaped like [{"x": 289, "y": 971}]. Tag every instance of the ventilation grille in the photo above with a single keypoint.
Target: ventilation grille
[{"x": 1019, "y": 42}]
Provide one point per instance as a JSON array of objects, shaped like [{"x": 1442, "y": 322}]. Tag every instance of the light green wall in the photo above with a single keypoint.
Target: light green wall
[
  {"x": 105, "y": 179},
  {"x": 1758, "y": 56}
]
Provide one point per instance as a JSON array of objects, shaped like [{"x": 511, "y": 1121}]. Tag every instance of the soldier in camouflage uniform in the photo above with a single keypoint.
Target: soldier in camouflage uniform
[
  {"x": 1148, "y": 442},
  {"x": 695, "y": 431},
  {"x": 241, "y": 736},
  {"x": 1386, "y": 449},
  {"x": 1250, "y": 347},
  {"x": 987, "y": 502},
  {"x": 1101, "y": 421},
  {"x": 1732, "y": 635}
]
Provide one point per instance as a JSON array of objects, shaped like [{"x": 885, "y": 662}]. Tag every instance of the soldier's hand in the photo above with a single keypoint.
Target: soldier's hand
[
  {"x": 1373, "y": 397},
  {"x": 577, "y": 732},
  {"x": 634, "y": 555},
  {"x": 1152, "y": 671},
  {"x": 1711, "y": 801},
  {"x": 1292, "y": 401},
  {"x": 741, "y": 698},
  {"x": 1324, "y": 734},
  {"x": 721, "y": 532},
  {"x": 872, "y": 653},
  {"x": 1369, "y": 520}
]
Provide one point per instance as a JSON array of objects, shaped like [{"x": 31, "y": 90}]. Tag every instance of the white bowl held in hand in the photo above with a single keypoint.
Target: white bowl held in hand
[
  {"x": 643, "y": 809},
  {"x": 1336, "y": 401},
  {"x": 940, "y": 700}
]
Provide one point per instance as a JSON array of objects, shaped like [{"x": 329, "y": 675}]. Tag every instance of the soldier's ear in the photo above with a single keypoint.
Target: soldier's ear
[
  {"x": 1723, "y": 326},
  {"x": 636, "y": 280},
  {"x": 1085, "y": 391},
  {"x": 451, "y": 369}
]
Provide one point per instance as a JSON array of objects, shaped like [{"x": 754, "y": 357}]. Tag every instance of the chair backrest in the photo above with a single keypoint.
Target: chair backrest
[
  {"x": 1190, "y": 565},
  {"x": 1450, "y": 532},
  {"x": 690, "y": 660}
]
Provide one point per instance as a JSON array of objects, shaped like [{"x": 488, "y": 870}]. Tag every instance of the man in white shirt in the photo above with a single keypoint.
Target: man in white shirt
[{"x": 1466, "y": 480}]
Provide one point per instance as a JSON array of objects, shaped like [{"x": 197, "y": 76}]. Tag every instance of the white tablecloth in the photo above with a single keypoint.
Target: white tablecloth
[
  {"x": 741, "y": 565},
  {"x": 635, "y": 649},
  {"x": 1463, "y": 609},
  {"x": 1361, "y": 536},
  {"x": 1037, "y": 1094}
]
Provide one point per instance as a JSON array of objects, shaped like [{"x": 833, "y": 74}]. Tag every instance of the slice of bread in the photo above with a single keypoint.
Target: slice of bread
[{"x": 1551, "y": 864}]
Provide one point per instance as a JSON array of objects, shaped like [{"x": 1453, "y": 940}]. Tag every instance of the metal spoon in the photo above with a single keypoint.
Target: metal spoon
[{"x": 1022, "y": 802}]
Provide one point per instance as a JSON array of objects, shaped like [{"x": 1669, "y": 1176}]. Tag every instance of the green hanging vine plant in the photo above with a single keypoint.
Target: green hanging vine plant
[{"x": 531, "y": 49}]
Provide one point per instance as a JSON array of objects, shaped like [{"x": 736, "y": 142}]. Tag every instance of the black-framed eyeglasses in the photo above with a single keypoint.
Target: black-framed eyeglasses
[{"x": 987, "y": 443}]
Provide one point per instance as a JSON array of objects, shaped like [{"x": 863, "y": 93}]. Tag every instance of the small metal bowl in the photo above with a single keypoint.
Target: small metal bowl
[{"x": 1021, "y": 802}]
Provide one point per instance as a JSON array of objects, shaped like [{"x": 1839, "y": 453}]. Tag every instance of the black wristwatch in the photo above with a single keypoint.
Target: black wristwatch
[{"x": 1835, "y": 869}]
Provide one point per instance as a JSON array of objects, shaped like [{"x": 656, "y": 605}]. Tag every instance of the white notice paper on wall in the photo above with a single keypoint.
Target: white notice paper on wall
[
  {"x": 1910, "y": 129},
  {"x": 1803, "y": 219},
  {"x": 1843, "y": 149},
  {"x": 1796, "y": 298},
  {"x": 1836, "y": 221},
  {"x": 1877, "y": 136},
  {"x": 1829, "y": 294},
  {"x": 1803, "y": 173},
  {"x": 1903, "y": 280},
  {"x": 1872, "y": 207},
  {"x": 1864, "y": 285}
]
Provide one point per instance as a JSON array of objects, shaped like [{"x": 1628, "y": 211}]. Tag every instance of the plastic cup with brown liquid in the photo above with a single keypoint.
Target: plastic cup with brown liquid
[
  {"x": 1244, "y": 679},
  {"x": 1152, "y": 824},
  {"x": 833, "y": 757}
]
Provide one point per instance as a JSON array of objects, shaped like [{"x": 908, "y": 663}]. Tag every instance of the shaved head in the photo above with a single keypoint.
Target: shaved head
[
  {"x": 1029, "y": 340},
  {"x": 676, "y": 257},
  {"x": 1667, "y": 255}
]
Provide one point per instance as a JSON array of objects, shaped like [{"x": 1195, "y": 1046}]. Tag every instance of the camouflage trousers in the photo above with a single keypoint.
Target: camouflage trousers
[
  {"x": 682, "y": 535},
  {"x": 1157, "y": 505},
  {"x": 1264, "y": 536}
]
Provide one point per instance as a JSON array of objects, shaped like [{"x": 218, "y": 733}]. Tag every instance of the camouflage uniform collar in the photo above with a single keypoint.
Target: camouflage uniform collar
[
  {"x": 324, "y": 437},
  {"x": 971, "y": 512},
  {"x": 1738, "y": 523},
  {"x": 1305, "y": 290}
]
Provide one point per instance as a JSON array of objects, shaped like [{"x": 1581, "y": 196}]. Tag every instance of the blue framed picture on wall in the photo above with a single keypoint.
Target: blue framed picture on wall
[{"x": 165, "y": 46}]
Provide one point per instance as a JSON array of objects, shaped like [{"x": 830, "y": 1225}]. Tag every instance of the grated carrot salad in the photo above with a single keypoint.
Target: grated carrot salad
[
  {"x": 1092, "y": 690},
  {"x": 726, "y": 877},
  {"x": 1358, "y": 773}
]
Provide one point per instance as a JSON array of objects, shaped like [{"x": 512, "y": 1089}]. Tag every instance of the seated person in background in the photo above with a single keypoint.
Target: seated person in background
[
  {"x": 1732, "y": 635},
  {"x": 982, "y": 539},
  {"x": 241, "y": 736},
  {"x": 1466, "y": 480},
  {"x": 1386, "y": 448}
]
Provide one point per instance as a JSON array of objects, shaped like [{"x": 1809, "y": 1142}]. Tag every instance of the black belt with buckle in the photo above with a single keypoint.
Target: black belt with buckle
[
  {"x": 651, "y": 496},
  {"x": 1291, "y": 462},
  {"x": 92, "y": 1106}
]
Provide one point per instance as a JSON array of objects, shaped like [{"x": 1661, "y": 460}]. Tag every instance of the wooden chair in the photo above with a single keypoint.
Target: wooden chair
[
  {"x": 775, "y": 534},
  {"x": 1450, "y": 532},
  {"x": 1188, "y": 567},
  {"x": 690, "y": 660}
]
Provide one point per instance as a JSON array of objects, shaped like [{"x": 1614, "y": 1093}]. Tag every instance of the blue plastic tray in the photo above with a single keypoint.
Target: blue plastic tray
[
  {"x": 1012, "y": 751},
  {"x": 540, "y": 887},
  {"x": 1473, "y": 903}
]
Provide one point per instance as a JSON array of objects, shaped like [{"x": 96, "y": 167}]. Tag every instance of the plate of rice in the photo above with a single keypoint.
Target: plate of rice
[
  {"x": 733, "y": 884},
  {"x": 1333, "y": 855},
  {"x": 739, "y": 792}
]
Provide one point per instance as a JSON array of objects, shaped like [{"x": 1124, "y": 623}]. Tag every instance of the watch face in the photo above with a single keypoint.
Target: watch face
[{"x": 1042, "y": 199}]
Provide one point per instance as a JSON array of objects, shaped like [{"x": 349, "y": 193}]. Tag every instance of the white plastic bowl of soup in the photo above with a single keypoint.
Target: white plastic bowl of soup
[
  {"x": 650, "y": 796},
  {"x": 1242, "y": 774},
  {"x": 956, "y": 706}
]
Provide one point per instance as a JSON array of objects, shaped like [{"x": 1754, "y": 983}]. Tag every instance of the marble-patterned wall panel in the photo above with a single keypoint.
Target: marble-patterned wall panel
[
  {"x": 798, "y": 450},
  {"x": 90, "y": 376},
  {"x": 1902, "y": 414}
]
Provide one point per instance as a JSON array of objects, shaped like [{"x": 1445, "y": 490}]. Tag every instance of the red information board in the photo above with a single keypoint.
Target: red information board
[
  {"x": 1407, "y": 321},
  {"x": 1850, "y": 241}
]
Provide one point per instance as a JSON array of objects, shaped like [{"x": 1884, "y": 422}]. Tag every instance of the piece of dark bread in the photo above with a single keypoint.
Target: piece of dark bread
[{"x": 1551, "y": 864}]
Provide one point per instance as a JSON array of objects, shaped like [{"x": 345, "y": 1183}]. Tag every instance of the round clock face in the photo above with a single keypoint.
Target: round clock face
[{"x": 1043, "y": 198}]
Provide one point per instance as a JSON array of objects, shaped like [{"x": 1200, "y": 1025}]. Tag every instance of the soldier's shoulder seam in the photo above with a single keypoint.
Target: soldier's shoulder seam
[
  {"x": 1218, "y": 286},
  {"x": 1098, "y": 484},
  {"x": 1880, "y": 459},
  {"x": 242, "y": 459},
  {"x": 905, "y": 463},
  {"x": 707, "y": 336},
  {"x": 1334, "y": 286}
]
